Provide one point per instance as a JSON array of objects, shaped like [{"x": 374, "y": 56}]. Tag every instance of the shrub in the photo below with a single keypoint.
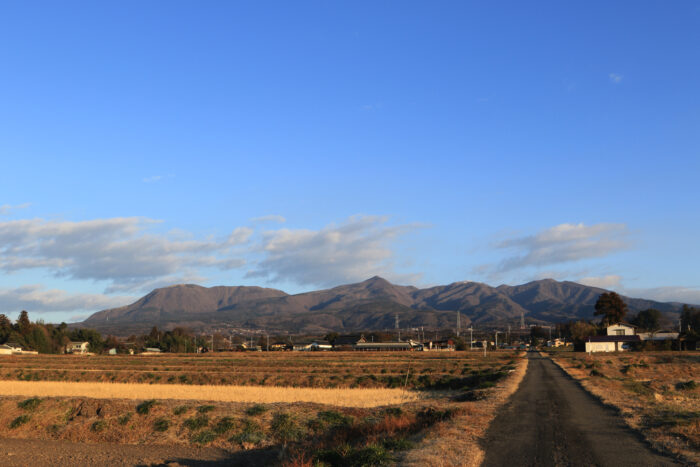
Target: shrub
[
  {"x": 251, "y": 434},
  {"x": 225, "y": 425},
  {"x": 204, "y": 437},
  {"x": 124, "y": 419},
  {"x": 638, "y": 388},
  {"x": 98, "y": 426},
  {"x": 144, "y": 407},
  {"x": 162, "y": 424},
  {"x": 29, "y": 404},
  {"x": 180, "y": 409},
  {"x": 21, "y": 420},
  {"x": 205, "y": 408},
  {"x": 595, "y": 372},
  {"x": 397, "y": 444},
  {"x": 687, "y": 385},
  {"x": 285, "y": 428},
  {"x": 257, "y": 409},
  {"x": 195, "y": 423},
  {"x": 393, "y": 411},
  {"x": 334, "y": 418}
]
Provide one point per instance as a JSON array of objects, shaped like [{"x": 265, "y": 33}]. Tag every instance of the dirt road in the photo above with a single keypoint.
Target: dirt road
[
  {"x": 29, "y": 452},
  {"x": 552, "y": 421}
]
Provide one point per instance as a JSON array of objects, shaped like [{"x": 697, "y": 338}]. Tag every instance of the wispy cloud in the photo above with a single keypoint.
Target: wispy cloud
[
  {"x": 269, "y": 218},
  {"x": 564, "y": 243},
  {"x": 36, "y": 298},
  {"x": 611, "y": 281},
  {"x": 8, "y": 208},
  {"x": 615, "y": 78},
  {"x": 355, "y": 250},
  {"x": 123, "y": 251}
]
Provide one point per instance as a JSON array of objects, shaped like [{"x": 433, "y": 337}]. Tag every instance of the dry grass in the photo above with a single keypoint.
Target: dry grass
[
  {"x": 456, "y": 442},
  {"x": 333, "y": 413},
  {"x": 261, "y": 394},
  {"x": 652, "y": 390}
]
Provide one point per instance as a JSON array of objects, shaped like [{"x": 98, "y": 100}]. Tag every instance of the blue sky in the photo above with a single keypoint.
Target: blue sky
[{"x": 301, "y": 145}]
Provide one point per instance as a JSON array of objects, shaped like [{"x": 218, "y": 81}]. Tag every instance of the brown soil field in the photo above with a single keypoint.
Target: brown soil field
[
  {"x": 657, "y": 393},
  {"x": 368, "y": 419},
  {"x": 425, "y": 370}
]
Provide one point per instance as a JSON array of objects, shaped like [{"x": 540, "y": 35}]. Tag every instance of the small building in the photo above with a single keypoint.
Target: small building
[
  {"x": 611, "y": 343},
  {"x": 6, "y": 350},
  {"x": 112, "y": 352},
  {"x": 151, "y": 351},
  {"x": 387, "y": 346},
  {"x": 556, "y": 343},
  {"x": 621, "y": 329},
  {"x": 322, "y": 345},
  {"x": 445, "y": 344},
  {"x": 77, "y": 347},
  {"x": 658, "y": 336},
  {"x": 348, "y": 342},
  {"x": 280, "y": 346}
]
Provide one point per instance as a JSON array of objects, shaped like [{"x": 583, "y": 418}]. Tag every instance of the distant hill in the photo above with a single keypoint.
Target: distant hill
[{"x": 372, "y": 304}]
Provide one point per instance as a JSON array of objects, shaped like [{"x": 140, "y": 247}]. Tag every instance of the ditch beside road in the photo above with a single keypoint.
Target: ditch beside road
[{"x": 552, "y": 421}]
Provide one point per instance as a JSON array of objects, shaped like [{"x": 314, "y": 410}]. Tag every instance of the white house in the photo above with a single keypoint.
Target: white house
[
  {"x": 77, "y": 347},
  {"x": 620, "y": 337},
  {"x": 621, "y": 329}
]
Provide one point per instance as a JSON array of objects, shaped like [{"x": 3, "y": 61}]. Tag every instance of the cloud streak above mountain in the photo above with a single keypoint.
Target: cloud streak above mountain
[
  {"x": 563, "y": 243},
  {"x": 336, "y": 254},
  {"x": 123, "y": 251},
  {"x": 37, "y": 298}
]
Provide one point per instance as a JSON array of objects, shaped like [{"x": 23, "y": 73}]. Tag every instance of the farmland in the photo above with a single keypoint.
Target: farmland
[
  {"x": 657, "y": 393},
  {"x": 357, "y": 406}
]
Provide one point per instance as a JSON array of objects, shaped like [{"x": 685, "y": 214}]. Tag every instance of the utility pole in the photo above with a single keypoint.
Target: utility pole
[
  {"x": 268, "y": 342},
  {"x": 458, "y": 323},
  {"x": 471, "y": 337},
  {"x": 497, "y": 339},
  {"x": 396, "y": 324},
  {"x": 522, "y": 320}
]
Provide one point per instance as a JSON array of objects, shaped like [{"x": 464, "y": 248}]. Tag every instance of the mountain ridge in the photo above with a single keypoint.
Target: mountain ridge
[{"x": 370, "y": 304}]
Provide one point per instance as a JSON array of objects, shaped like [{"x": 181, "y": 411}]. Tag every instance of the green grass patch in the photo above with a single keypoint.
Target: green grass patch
[
  {"x": 686, "y": 385},
  {"x": 124, "y": 419},
  {"x": 161, "y": 424},
  {"x": 19, "y": 421},
  {"x": 144, "y": 407},
  {"x": 98, "y": 426},
  {"x": 224, "y": 425},
  {"x": 29, "y": 404},
  {"x": 205, "y": 408},
  {"x": 195, "y": 423},
  {"x": 203, "y": 437},
  {"x": 255, "y": 410},
  {"x": 180, "y": 409}
]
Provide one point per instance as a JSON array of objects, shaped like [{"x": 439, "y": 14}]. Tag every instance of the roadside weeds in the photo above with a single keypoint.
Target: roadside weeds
[{"x": 455, "y": 442}]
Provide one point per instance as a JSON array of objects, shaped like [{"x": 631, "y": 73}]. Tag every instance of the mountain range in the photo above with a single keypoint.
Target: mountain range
[{"x": 369, "y": 305}]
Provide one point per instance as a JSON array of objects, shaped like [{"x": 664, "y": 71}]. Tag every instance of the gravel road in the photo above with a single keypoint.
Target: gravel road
[
  {"x": 29, "y": 452},
  {"x": 552, "y": 421}
]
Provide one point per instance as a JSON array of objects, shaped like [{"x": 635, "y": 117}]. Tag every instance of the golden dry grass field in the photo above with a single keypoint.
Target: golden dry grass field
[
  {"x": 339, "y": 408},
  {"x": 658, "y": 393}
]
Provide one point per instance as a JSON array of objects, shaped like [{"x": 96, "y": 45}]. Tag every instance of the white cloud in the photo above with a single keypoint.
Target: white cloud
[
  {"x": 615, "y": 78},
  {"x": 36, "y": 298},
  {"x": 8, "y": 208},
  {"x": 269, "y": 218},
  {"x": 690, "y": 295},
  {"x": 336, "y": 254},
  {"x": 611, "y": 281},
  {"x": 119, "y": 250},
  {"x": 564, "y": 243}
]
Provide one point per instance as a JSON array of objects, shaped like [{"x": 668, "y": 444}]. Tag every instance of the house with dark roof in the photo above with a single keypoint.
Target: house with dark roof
[
  {"x": 348, "y": 341},
  {"x": 619, "y": 337}
]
